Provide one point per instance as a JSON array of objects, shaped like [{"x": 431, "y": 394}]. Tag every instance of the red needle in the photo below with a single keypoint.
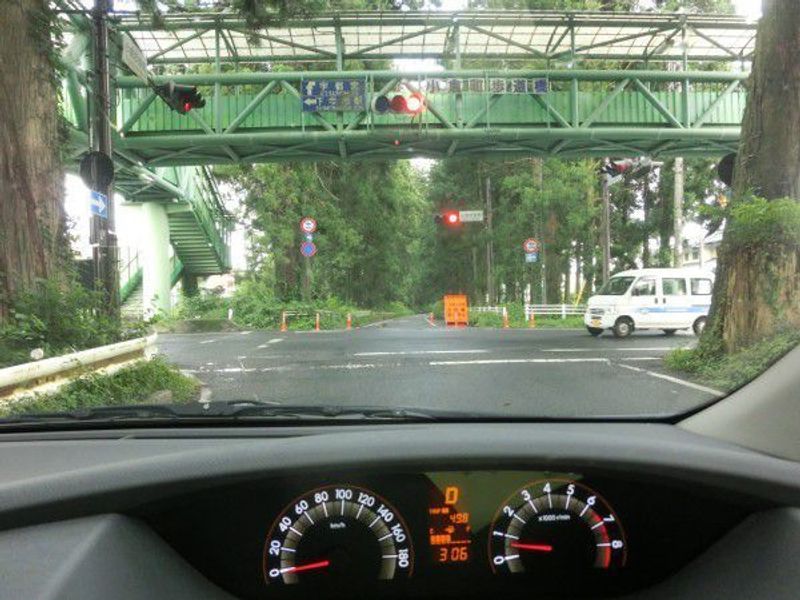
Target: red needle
[
  {"x": 317, "y": 565},
  {"x": 533, "y": 547}
]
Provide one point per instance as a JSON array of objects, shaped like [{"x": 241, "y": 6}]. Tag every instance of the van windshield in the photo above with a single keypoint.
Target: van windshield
[{"x": 616, "y": 286}]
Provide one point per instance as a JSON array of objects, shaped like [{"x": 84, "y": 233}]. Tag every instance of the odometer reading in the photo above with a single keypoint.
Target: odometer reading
[
  {"x": 555, "y": 526},
  {"x": 337, "y": 532}
]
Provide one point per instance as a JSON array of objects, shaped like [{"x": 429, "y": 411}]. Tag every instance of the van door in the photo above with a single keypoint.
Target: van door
[
  {"x": 676, "y": 302},
  {"x": 644, "y": 303}
]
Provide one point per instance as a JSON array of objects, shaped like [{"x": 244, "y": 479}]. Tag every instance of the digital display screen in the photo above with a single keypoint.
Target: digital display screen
[{"x": 449, "y": 527}]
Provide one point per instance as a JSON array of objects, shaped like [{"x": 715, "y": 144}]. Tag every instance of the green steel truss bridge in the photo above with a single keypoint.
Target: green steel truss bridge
[{"x": 495, "y": 84}]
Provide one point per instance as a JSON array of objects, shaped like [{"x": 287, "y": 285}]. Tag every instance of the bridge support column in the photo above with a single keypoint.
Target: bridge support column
[{"x": 155, "y": 259}]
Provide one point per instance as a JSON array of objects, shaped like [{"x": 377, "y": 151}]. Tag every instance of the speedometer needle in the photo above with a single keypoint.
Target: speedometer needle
[
  {"x": 532, "y": 547},
  {"x": 309, "y": 567}
]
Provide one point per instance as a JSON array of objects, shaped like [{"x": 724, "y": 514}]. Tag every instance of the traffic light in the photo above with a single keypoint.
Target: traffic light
[
  {"x": 615, "y": 170},
  {"x": 180, "y": 98},
  {"x": 399, "y": 104},
  {"x": 449, "y": 218}
]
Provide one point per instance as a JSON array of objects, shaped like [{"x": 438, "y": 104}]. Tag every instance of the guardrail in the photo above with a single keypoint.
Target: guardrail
[
  {"x": 48, "y": 375},
  {"x": 544, "y": 310},
  {"x": 561, "y": 310}
]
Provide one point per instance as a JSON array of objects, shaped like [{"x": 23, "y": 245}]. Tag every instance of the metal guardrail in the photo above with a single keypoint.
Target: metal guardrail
[
  {"x": 559, "y": 310},
  {"x": 51, "y": 373}
]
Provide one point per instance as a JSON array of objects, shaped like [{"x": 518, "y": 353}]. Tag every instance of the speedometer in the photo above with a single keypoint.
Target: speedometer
[
  {"x": 338, "y": 532},
  {"x": 558, "y": 527}
]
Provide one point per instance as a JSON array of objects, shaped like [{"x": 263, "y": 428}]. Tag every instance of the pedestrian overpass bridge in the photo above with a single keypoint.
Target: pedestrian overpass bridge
[{"x": 494, "y": 84}]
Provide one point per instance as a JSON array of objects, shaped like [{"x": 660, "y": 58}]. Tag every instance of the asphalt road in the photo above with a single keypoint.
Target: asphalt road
[{"x": 410, "y": 363}]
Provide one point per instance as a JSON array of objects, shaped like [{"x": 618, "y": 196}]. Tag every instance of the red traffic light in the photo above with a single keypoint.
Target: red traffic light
[
  {"x": 415, "y": 103},
  {"x": 451, "y": 218},
  {"x": 400, "y": 104}
]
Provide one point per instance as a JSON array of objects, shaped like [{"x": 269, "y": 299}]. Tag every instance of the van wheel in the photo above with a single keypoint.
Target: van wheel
[
  {"x": 623, "y": 327},
  {"x": 669, "y": 332},
  {"x": 699, "y": 326},
  {"x": 595, "y": 331}
]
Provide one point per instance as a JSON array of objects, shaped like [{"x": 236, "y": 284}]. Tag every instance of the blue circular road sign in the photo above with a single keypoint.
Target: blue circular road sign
[{"x": 308, "y": 249}]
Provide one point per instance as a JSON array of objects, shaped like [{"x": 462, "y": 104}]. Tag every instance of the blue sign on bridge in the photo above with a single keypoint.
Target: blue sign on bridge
[{"x": 333, "y": 95}]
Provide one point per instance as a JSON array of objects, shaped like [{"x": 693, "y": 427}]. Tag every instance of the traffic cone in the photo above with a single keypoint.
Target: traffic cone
[
  {"x": 532, "y": 321},
  {"x": 316, "y": 324},
  {"x": 283, "y": 321},
  {"x": 349, "y": 321},
  {"x": 505, "y": 318}
]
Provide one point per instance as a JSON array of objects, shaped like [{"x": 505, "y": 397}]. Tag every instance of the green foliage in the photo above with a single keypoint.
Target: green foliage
[
  {"x": 764, "y": 224},
  {"x": 59, "y": 318},
  {"x": 729, "y": 372},
  {"x": 131, "y": 385}
]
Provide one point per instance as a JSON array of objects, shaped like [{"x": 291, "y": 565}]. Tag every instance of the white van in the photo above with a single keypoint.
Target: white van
[{"x": 667, "y": 299}]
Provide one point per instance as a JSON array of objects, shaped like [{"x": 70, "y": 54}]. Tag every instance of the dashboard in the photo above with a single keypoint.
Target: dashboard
[
  {"x": 504, "y": 510},
  {"x": 445, "y": 533}
]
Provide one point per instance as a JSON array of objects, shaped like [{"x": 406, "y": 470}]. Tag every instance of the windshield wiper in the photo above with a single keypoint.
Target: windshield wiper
[{"x": 234, "y": 409}]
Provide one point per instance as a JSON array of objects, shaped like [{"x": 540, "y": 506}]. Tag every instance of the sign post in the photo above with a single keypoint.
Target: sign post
[{"x": 308, "y": 226}]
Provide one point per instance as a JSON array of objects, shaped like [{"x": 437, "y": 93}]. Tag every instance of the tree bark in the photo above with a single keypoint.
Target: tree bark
[
  {"x": 758, "y": 292},
  {"x": 33, "y": 243}
]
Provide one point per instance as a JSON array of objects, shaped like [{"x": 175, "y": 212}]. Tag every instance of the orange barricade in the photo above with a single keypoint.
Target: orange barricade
[{"x": 456, "y": 311}]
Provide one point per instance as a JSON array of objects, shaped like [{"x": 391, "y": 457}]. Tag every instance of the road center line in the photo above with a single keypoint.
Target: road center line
[
  {"x": 683, "y": 382},
  {"x": 412, "y": 352},
  {"x": 208, "y": 341},
  {"x": 511, "y": 361},
  {"x": 650, "y": 349}
]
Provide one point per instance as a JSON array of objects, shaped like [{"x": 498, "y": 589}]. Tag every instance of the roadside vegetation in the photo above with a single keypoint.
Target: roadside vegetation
[
  {"x": 728, "y": 372},
  {"x": 254, "y": 306},
  {"x": 58, "y": 318},
  {"x": 153, "y": 381}
]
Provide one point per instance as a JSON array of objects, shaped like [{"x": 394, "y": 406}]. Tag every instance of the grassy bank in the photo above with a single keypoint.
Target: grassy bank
[
  {"x": 153, "y": 381},
  {"x": 729, "y": 372},
  {"x": 210, "y": 313}
]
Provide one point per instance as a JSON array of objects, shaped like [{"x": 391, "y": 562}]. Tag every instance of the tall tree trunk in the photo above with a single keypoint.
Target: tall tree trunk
[
  {"x": 32, "y": 229},
  {"x": 758, "y": 289}
]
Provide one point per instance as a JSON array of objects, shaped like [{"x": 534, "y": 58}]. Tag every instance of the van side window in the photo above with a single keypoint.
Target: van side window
[
  {"x": 673, "y": 286},
  {"x": 701, "y": 286},
  {"x": 644, "y": 287}
]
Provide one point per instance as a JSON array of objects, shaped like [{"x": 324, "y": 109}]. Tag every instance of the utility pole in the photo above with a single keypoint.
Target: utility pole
[
  {"x": 103, "y": 234},
  {"x": 489, "y": 249},
  {"x": 678, "y": 212},
  {"x": 606, "y": 228}
]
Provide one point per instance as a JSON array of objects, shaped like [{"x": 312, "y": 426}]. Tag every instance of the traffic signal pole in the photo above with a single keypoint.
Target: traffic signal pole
[
  {"x": 489, "y": 249},
  {"x": 103, "y": 235},
  {"x": 606, "y": 217}
]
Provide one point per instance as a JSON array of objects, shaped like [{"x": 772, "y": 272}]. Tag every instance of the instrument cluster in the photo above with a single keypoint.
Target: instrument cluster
[{"x": 440, "y": 533}]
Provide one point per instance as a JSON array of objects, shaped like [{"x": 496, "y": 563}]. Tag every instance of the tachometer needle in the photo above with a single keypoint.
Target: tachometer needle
[
  {"x": 309, "y": 567},
  {"x": 532, "y": 547}
]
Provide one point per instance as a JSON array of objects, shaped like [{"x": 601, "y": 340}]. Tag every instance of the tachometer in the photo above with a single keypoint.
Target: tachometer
[
  {"x": 341, "y": 532},
  {"x": 558, "y": 527}
]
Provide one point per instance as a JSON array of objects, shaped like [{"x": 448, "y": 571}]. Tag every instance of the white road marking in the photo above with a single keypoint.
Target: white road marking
[
  {"x": 272, "y": 341},
  {"x": 349, "y": 366},
  {"x": 248, "y": 332},
  {"x": 412, "y": 352},
  {"x": 629, "y": 349},
  {"x": 639, "y": 358},
  {"x": 237, "y": 370},
  {"x": 683, "y": 382},
  {"x": 512, "y": 361},
  {"x": 208, "y": 341}
]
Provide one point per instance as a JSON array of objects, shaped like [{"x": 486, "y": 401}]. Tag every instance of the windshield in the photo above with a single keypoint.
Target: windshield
[
  {"x": 616, "y": 286},
  {"x": 395, "y": 216}
]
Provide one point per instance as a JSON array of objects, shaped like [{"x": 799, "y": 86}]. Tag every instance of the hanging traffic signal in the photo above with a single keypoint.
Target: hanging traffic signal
[
  {"x": 399, "y": 104},
  {"x": 180, "y": 98}
]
